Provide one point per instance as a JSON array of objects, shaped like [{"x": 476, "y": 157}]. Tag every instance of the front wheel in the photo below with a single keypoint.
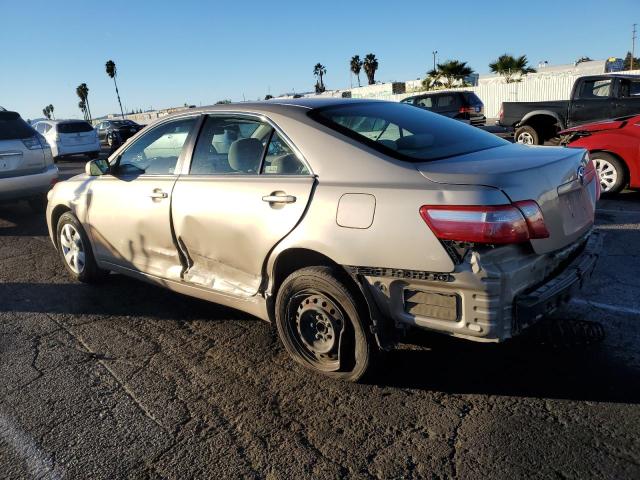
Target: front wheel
[
  {"x": 611, "y": 171},
  {"x": 75, "y": 250},
  {"x": 527, "y": 135},
  {"x": 323, "y": 325}
]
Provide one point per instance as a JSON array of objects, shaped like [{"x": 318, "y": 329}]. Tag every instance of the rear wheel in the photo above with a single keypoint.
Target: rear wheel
[
  {"x": 527, "y": 135},
  {"x": 613, "y": 176},
  {"x": 321, "y": 324},
  {"x": 75, "y": 250}
]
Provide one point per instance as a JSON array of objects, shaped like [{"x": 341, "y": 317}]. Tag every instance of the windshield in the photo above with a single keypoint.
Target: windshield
[
  {"x": 405, "y": 132},
  {"x": 74, "y": 127}
]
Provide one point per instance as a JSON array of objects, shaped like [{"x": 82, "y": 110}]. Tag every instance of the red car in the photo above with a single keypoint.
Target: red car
[{"x": 614, "y": 147}]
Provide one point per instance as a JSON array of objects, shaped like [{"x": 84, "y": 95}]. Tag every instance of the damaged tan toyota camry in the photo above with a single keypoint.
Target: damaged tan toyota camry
[{"x": 343, "y": 222}]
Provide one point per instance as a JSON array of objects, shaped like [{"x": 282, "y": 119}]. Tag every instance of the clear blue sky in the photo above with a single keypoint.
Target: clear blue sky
[{"x": 169, "y": 53}]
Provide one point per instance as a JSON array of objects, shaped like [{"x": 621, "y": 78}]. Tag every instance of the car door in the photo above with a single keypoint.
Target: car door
[
  {"x": 593, "y": 100},
  {"x": 129, "y": 208},
  {"x": 236, "y": 201},
  {"x": 628, "y": 97}
]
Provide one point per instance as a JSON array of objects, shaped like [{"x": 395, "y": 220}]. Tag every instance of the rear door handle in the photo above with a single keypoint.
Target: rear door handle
[
  {"x": 157, "y": 193},
  {"x": 279, "y": 198}
]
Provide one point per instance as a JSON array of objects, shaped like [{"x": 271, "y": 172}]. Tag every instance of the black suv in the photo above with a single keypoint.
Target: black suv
[
  {"x": 465, "y": 106},
  {"x": 115, "y": 132}
]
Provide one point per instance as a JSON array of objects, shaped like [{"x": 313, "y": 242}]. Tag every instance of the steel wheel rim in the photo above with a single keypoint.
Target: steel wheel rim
[
  {"x": 72, "y": 248},
  {"x": 607, "y": 173},
  {"x": 525, "y": 138},
  {"x": 316, "y": 325}
]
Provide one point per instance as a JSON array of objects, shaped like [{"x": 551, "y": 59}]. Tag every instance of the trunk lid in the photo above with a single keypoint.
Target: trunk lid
[
  {"x": 551, "y": 176},
  {"x": 76, "y": 133}
]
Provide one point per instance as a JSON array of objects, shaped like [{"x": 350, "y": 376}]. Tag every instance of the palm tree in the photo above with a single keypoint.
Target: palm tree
[
  {"x": 110, "y": 67},
  {"x": 508, "y": 66},
  {"x": 50, "y": 107},
  {"x": 46, "y": 111},
  {"x": 83, "y": 94},
  {"x": 370, "y": 66},
  {"x": 356, "y": 66},
  {"x": 448, "y": 73},
  {"x": 319, "y": 71},
  {"x": 83, "y": 107}
]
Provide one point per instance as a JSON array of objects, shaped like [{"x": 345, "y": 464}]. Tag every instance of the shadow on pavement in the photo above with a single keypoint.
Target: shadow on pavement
[
  {"x": 521, "y": 367},
  {"x": 18, "y": 219}
]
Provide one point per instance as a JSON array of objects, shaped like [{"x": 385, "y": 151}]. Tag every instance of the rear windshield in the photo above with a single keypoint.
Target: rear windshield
[
  {"x": 405, "y": 132},
  {"x": 74, "y": 127},
  {"x": 13, "y": 127}
]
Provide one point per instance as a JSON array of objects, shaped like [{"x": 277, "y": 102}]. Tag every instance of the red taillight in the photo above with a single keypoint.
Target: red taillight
[
  {"x": 498, "y": 224},
  {"x": 466, "y": 110},
  {"x": 54, "y": 180},
  {"x": 501, "y": 112}
]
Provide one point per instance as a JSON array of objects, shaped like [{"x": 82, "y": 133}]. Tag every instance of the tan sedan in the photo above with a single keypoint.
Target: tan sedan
[{"x": 342, "y": 221}]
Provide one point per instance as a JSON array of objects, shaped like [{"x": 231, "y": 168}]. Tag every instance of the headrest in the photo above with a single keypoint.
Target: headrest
[
  {"x": 244, "y": 155},
  {"x": 285, "y": 165},
  {"x": 415, "y": 142}
]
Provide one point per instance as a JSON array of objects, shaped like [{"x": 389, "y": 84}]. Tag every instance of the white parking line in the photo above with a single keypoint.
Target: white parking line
[{"x": 606, "y": 306}]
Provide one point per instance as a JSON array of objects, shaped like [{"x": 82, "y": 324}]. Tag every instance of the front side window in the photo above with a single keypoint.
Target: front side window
[
  {"x": 410, "y": 134},
  {"x": 595, "y": 89},
  {"x": 230, "y": 146},
  {"x": 157, "y": 151}
]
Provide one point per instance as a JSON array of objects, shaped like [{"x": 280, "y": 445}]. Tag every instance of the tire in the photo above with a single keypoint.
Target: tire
[
  {"x": 38, "y": 203},
  {"x": 85, "y": 268},
  {"x": 527, "y": 135},
  {"x": 323, "y": 326},
  {"x": 109, "y": 140},
  {"x": 612, "y": 172}
]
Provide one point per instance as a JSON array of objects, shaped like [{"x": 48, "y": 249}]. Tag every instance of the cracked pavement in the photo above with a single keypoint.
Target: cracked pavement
[{"x": 126, "y": 380}]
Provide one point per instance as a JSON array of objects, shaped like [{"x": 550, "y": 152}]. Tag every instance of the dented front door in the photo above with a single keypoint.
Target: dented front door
[{"x": 226, "y": 225}]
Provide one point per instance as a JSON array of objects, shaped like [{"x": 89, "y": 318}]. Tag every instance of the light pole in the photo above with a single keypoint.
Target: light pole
[{"x": 434, "y": 53}]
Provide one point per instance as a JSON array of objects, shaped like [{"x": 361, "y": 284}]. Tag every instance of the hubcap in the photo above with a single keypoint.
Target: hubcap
[
  {"x": 72, "y": 248},
  {"x": 525, "y": 137},
  {"x": 607, "y": 173},
  {"x": 317, "y": 325}
]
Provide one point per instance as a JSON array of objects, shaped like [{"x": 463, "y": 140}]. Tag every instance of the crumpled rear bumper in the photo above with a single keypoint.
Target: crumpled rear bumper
[{"x": 491, "y": 296}]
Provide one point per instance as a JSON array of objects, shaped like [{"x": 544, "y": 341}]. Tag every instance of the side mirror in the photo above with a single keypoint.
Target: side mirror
[{"x": 97, "y": 167}]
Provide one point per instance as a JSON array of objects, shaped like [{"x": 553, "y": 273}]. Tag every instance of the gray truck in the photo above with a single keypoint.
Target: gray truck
[{"x": 593, "y": 98}]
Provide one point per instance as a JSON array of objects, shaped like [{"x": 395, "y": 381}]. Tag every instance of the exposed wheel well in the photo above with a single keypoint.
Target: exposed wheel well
[
  {"x": 55, "y": 216},
  {"x": 546, "y": 125}
]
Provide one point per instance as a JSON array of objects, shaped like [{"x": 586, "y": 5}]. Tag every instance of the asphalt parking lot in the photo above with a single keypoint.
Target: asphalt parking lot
[{"x": 126, "y": 380}]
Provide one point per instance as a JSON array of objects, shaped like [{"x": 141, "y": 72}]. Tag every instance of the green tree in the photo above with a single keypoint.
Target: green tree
[
  {"x": 112, "y": 72},
  {"x": 356, "y": 66},
  {"x": 268, "y": 97},
  {"x": 509, "y": 66},
  {"x": 225, "y": 101},
  {"x": 627, "y": 62},
  {"x": 448, "y": 74},
  {"x": 83, "y": 94},
  {"x": 370, "y": 65},
  {"x": 46, "y": 111},
  {"x": 51, "y": 109},
  {"x": 319, "y": 71},
  {"x": 83, "y": 108}
]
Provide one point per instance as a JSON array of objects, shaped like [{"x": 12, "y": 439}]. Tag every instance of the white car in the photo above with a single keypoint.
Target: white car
[
  {"x": 69, "y": 137},
  {"x": 26, "y": 164}
]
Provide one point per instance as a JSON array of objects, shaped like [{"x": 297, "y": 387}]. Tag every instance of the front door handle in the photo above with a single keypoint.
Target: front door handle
[
  {"x": 279, "y": 198},
  {"x": 157, "y": 193}
]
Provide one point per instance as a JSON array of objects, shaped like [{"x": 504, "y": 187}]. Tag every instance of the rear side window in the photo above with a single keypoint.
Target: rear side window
[
  {"x": 595, "y": 89},
  {"x": 630, "y": 88},
  {"x": 446, "y": 101},
  {"x": 74, "y": 127},
  {"x": 426, "y": 102},
  {"x": 410, "y": 134},
  {"x": 13, "y": 127}
]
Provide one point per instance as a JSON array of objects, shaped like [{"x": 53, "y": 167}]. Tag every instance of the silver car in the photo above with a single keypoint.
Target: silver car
[
  {"x": 344, "y": 222},
  {"x": 26, "y": 164}
]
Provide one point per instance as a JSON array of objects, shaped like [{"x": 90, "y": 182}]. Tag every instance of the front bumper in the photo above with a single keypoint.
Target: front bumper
[
  {"x": 491, "y": 296},
  {"x": 25, "y": 186}
]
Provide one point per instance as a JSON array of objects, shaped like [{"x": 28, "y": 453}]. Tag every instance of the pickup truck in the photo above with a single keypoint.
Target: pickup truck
[{"x": 593, "y": 98}]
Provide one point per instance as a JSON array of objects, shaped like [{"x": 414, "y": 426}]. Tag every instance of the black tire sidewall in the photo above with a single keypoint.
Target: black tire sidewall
[
  {"x": 529, "y": 129},
  {"x": 618, "y": 165},
  {"x": 91, "y": 273},
  {"x": 327, "y": 281}
]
